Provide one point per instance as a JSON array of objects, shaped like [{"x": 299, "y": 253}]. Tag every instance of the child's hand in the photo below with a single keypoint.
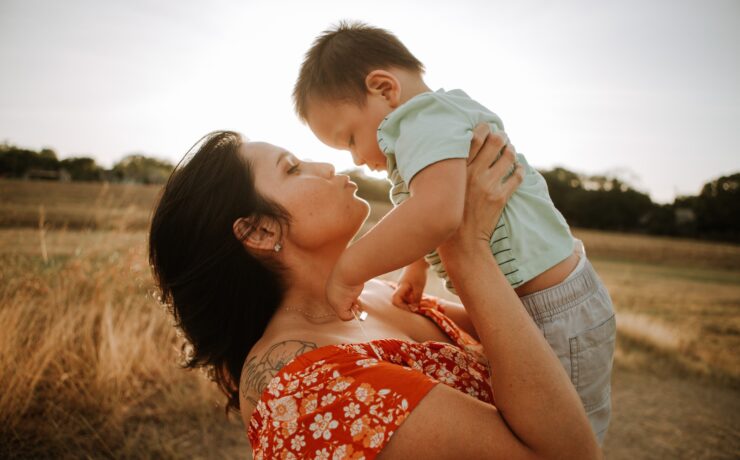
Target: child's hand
[
  {"x": 341, "y": 295},
  {"x": 411, "y": 286}
]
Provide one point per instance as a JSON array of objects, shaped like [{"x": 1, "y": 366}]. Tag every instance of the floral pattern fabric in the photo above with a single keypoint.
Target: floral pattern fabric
[{"x": 342, "y": 402}]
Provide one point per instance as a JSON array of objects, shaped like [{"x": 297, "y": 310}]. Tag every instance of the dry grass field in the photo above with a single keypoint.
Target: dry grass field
[{"x": 89, "y": 359}]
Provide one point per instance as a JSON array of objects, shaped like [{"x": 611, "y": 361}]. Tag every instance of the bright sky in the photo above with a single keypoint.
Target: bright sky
[{"x": 648, "y": 89}]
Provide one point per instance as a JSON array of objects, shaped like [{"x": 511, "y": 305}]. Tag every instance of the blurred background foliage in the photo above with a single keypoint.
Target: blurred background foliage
[{"x": 603, "y": 202}]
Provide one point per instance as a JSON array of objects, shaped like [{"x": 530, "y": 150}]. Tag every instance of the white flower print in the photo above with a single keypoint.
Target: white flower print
[
  {"x": 292, "y": 386},
  {"x": 298, "y": 442},
  {"x": 262, "y": 409},
  {"x": 322, "y": 454},
  {"x": 444, "y": 376},
  {"x": 310, "y": 378},
  {"x": 357, "y": 427},
  {"x": 289, "y": 428},
  {"x": 322, "y": 426},
  {"x": 284, "y": 409},
  {"x": 274, "y": 387},
  {"x": 327, "y": 399},
  {"x": 364, "y": 393},
  {"x": 352, "y": 410},
  {"x": 377, "y": 438},
  {"x": 367, "y": 362},
  {"x": 341, "y": 385},
  {"x": 460, "y": 361},
  {"x": 340, "y": 453}
]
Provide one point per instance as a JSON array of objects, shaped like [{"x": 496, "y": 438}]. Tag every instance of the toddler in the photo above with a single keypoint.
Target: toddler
[{"x": 359, "y": 89}]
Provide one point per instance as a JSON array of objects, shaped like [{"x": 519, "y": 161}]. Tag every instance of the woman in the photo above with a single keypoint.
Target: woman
[{"x": 242, "y": 242}]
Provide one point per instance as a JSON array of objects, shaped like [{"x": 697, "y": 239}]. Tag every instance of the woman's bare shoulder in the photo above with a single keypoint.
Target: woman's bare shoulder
[{"x": 263, "y": 362}]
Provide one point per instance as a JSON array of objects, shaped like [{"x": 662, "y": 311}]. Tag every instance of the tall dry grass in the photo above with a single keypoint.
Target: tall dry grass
[
  {"x": 89, "y": 360},
  {"x": 76, "y": 205}
]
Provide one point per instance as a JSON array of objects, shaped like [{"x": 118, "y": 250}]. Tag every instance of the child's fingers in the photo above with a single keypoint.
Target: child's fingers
[{"x": 399, "y": 295}]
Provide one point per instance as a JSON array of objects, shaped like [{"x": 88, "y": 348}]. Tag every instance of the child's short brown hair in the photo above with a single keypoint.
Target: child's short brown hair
[{"x": 335, "y": 67}]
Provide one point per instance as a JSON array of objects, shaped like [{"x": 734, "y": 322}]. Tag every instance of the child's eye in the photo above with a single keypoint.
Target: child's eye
[
  {"x": 294, "y": 169},
  {"x": 352, "y": 141}
]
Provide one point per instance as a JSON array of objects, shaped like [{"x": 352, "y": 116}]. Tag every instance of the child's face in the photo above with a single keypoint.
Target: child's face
[{"x": 348, "y": 126}]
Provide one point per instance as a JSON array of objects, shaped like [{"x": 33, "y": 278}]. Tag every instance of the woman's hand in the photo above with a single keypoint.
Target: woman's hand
[{"x": 493, "y": 175}]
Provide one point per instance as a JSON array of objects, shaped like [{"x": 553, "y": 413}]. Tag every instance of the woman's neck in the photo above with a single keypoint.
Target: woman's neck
[{"x": 306, "y": 282}]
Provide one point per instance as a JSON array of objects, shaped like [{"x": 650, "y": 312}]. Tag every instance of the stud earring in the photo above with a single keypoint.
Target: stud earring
[{"x": 277, "y": 247}]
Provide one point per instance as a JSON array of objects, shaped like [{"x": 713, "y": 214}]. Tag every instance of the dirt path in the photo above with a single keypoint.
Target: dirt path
[{"x": 658, "y": 416}]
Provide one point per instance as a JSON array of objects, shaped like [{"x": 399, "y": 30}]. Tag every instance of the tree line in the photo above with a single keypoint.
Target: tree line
[
  {"x": 609, "y": 203},
  {"x": 589, "y": 201},
  {"x": 18, "y": 162}
]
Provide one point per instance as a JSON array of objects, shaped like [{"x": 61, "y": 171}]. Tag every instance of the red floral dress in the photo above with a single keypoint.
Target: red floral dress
[{"x": 341, "y": 402}]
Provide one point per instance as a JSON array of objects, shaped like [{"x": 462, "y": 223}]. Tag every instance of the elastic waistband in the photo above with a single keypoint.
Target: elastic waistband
[{"x": 564, "y": 296}]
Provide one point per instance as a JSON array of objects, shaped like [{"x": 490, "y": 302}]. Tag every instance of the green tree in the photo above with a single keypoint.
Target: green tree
[
  {"x": 142, "y": 169},
  {"x": 16, "y": 161},
  {"x": 717, "y": 208},
  {"x": 82, "y": 168},
  {"x": 598, "y": 201}
]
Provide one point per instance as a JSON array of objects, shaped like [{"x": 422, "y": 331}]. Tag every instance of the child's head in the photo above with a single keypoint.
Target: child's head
[{"x": 348, "y": 82}]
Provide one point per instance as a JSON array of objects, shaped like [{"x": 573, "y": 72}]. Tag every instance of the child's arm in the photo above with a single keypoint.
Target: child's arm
[{"x": 421, "y": 223}]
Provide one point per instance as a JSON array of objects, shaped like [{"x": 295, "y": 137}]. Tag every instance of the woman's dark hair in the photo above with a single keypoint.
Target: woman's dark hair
[{"x": 221, "y": 296}]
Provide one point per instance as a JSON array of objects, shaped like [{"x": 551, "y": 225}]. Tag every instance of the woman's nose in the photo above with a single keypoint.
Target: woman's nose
[{"x": 327, "y": 169}]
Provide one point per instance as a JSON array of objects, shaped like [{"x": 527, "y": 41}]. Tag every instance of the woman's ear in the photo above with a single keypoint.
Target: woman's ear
[
  {"x": 384, "y": 84},
  {"x": 257, "y": 233}
]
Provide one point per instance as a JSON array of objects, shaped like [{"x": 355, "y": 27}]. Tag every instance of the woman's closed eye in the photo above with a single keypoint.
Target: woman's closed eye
[{"x": 294, "y": 163}]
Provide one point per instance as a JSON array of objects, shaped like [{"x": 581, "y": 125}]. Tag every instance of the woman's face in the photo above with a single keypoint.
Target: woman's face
[{"x": 323, "y": 207}]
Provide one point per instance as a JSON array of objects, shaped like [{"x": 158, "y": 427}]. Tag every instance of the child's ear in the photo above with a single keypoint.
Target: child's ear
[
  {"x": 385, "y": 84},
  {"x": 261, "y": 233}
]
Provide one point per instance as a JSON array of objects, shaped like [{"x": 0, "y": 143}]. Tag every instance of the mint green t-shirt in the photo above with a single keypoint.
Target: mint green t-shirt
[{"x": 531, "y": 236}]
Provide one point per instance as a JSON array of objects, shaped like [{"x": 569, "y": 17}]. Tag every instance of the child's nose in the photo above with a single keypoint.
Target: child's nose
[{"x": 357, "y": 159}]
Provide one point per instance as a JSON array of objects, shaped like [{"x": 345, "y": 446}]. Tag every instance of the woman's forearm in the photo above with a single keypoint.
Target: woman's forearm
[{"x": 530, "y": 387}]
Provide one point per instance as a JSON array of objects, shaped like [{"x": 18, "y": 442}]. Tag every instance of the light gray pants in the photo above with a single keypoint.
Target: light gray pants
[{"x": 577, "y": 319}]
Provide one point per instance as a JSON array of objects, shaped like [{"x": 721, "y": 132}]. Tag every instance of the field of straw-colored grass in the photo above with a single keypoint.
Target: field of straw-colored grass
[{"x": 89, "y": 359}]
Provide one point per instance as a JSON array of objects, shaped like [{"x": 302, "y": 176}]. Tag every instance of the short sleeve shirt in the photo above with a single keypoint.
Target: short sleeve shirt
[{"x": 531, "y": 235}]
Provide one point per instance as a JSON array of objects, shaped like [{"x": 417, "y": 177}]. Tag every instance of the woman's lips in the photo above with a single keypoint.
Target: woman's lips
[{"x": 346, "y": 182}]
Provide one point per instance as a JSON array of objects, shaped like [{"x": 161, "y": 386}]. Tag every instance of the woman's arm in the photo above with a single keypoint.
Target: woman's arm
[
  {"x": 459, "y": 315},
  {"x": 538, "y": 413}
]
